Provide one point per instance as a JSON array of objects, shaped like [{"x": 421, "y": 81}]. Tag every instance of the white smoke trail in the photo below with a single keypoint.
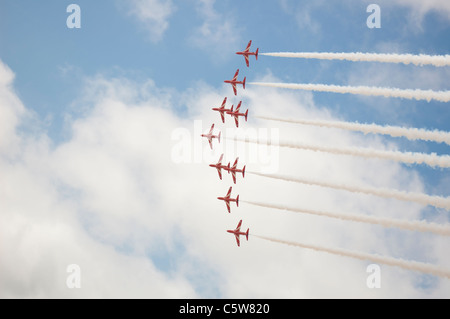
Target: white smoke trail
[
  {"x": 405, "y": 264},
  {"x": 424, "y": 199},
  {"x": 428, "y": 95},
  {"x": 416, "y": 225},
  {"x": 395, "y": 131},
  {"x": 432, "y": 159},
  {"x": 421, "y": 59}
]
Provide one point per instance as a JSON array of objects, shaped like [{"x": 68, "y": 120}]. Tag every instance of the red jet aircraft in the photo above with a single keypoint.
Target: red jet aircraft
[
  {"x": 236, "y": 114},
  {"x": 219, "y": 166},
  {"x": 234, "y": 82},
  {"x": 247, "y": 52},
  {"x": 237, "y": 232},
  {"x": 222, "y": 110},
  {"x": 210, "y": 136},
  {"x": 227, "y": 200},
  {"x": 234, "y": 170}
]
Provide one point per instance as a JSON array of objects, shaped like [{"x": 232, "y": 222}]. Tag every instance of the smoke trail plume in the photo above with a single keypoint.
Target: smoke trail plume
[
  {"x": 405, "y": 264},
  {"x": 395, "y": 131},
  {"x": 421, "y": 226},
  {"x": 432, "y": 160},
  {"x": 421, "y": 59},
  {"x": 428, "y": 95},
  {"x": 424, "y": 199}
]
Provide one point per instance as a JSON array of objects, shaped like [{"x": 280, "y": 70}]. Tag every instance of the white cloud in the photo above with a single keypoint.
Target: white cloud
[
  {"x": 112, "y": 200},
  {"x": 153, "y": 14},
  {"x": 218, "y": 31},
  {"x": 422, "y": 7},
  {"x": 11, "y": 114},
  {"x": 418, "y": 9},
  {"x": 303, "y": 14}
]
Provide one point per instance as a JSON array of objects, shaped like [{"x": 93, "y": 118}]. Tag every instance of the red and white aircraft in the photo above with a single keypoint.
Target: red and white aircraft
[
  {"x": 227, "y": 199},
  {"x": 219, "y": 166},
  {"x": 234, "y": 170},
  {"x": 247, "y": 52},
  {"x": 234, "y": 82},
  {"x": 222, "y": 110},
  {"x": 236, "y": 113},
  {"x": 237, "y": 232},
  {"x": 210, "y": 136}
]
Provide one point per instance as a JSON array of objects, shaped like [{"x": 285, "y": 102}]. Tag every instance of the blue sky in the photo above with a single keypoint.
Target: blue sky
[
  {"x": 171, "y": 58},
  {"x": 50, "y": 60}
]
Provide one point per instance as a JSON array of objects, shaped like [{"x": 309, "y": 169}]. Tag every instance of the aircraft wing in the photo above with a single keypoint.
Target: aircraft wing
[
  {"x": 228, "y": 206},
  {"x": 234, "y": 88},
  {"x": 248, "y": 46},
  {"x": 236, "y": 120},
  {"x": 233, "y": 173},
  {"x": 223, "y": 117},
  {"x": 210, "y": 143},
  {"x": 246, "y": 60},
  {"x": 238, "y": 107},
  {"x": 235, "y": 75},
  {"x": 211, "y": 129},
  {"x": 238, "y": 228},
  {"x": 220, "y": 172},
  {"x": 237, "y": 240},
  {"x": 235, "y": 162},
  {"x": 229, "y": 193}
]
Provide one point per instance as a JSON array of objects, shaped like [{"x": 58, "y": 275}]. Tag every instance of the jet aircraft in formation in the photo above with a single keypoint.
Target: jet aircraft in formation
[
  {"x": 210, "y": 136},
  {"x": 234, "y": 82},
  {"x": 237, "y": 232},
  {"x": 222, "y": 110},
  {"x": 246, "y": 53},
  {"x": 233, "y": 170},
  {"x": 227, "y": 199},
  {"x": 219, "y": 166},
  {"x": 235, "y": 113}
]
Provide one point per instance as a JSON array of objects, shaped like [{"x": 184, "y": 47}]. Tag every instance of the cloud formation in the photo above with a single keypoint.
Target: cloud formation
[
  {"x": 112, "y": 200},
  {"x": 218, "y": 31},
  {"x": 153, "y": 14},
  {"x": 422, "y": 7}
]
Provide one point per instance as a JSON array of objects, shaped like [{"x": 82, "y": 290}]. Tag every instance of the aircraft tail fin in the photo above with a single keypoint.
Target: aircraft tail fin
[
  {"x": 243, "y": 82},
  {"x": 256, "y": 55},
  {"x": 246, "y": 113},
  {"x": 218, "y": 138},
  {"x": 246, "y": 234},
  {"x": 237, "y": 201},
  {"x": 243, "y": 172}
]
